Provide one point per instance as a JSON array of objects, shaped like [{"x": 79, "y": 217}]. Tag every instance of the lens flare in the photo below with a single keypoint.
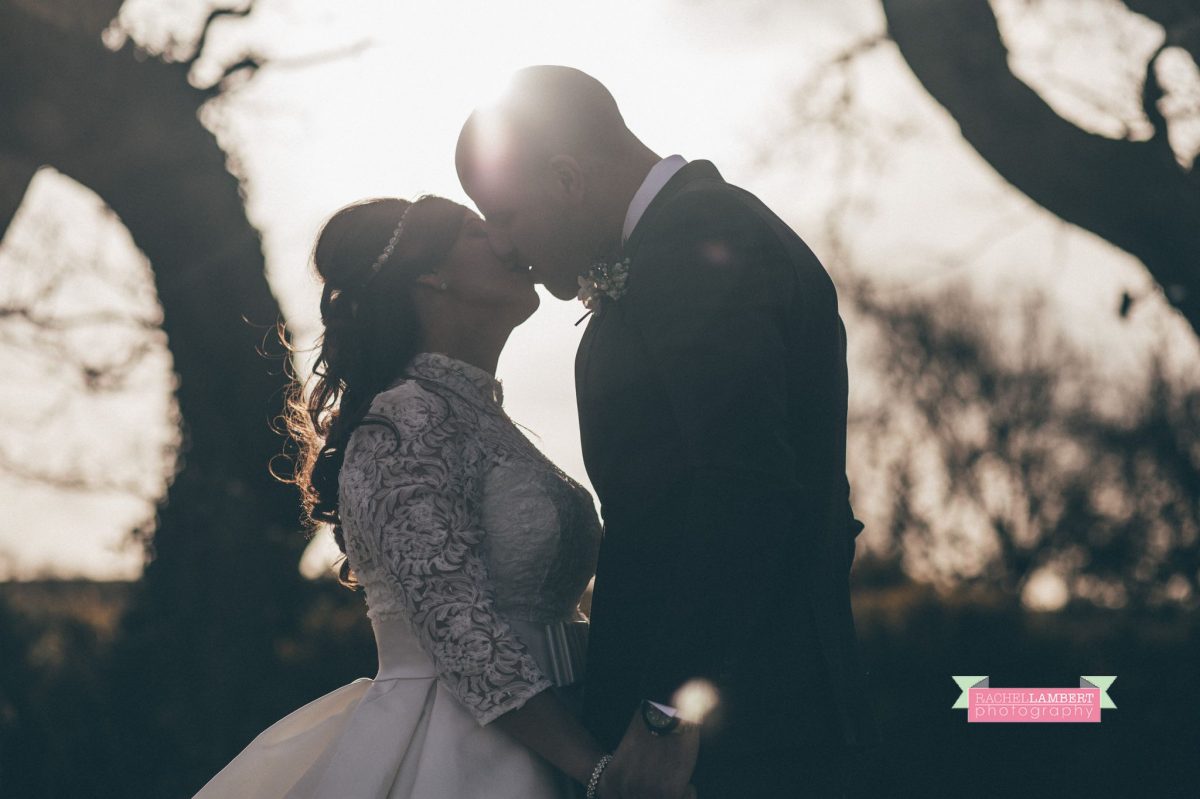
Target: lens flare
[{"x": 695, "y": 699}]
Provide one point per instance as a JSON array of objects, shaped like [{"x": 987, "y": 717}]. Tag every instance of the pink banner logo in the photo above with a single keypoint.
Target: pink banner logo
[{"x": 1055, "y": 705}]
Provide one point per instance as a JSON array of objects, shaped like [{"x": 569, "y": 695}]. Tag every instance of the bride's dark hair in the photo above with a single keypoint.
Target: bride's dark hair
[{"x": 371, "y": 333}]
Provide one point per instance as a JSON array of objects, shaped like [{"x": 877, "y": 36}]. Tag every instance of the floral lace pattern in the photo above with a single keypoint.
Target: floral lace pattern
[{"x": 455, "y": 521}]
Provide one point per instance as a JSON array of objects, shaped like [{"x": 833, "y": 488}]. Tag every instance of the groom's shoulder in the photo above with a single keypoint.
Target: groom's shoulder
[
  {"x": 709, "y": 241},
  {"x": 710, "y": 204},
  {"x": 711, "y": 197},
  {"x": 710, "y": 210}
]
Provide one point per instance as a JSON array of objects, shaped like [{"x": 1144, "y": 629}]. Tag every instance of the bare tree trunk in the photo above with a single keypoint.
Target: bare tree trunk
[
  {"x": 1132, "y": 194},
  {"x": 222, "y": 589},
  {"x": 15, "y": 174},
  {"x": 1179, "y": 18}
]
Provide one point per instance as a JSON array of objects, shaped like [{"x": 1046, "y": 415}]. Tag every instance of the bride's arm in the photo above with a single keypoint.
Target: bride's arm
[
  {"x": 547, "y": 726},
  {"x": 424, "y": 478}
]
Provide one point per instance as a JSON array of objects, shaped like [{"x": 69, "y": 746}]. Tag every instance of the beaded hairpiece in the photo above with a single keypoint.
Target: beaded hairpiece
[{"x": 391, "y": 245}]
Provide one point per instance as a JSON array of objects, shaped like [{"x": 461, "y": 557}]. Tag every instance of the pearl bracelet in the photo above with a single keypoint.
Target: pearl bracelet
[{"x": 594, "y": 782}]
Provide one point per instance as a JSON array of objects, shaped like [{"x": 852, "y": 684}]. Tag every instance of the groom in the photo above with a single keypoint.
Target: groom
[{"x": 711, "y": 383}]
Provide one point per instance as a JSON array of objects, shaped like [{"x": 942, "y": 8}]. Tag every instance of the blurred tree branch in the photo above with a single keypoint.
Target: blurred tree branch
[
  {"x": 206, "y": 27},
  {"x": 127, "y": 127},
  {"x": 1002, "y": 456},
  {"x": 221, "y": 589},
  {"x": 1180, "y": 20},
  {"x": 15, "y": 174},
  {"x": 85, "y": 334},
  {"x": 1134, "y": 194},
  {"x": 86, "y": 319}
]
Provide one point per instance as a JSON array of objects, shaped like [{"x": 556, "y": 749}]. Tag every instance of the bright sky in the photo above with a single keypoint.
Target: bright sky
[{"x": 702, "y": 78}]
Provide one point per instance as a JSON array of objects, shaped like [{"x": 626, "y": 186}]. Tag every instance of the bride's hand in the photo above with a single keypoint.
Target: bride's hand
[{"x": 649, "y": 766}]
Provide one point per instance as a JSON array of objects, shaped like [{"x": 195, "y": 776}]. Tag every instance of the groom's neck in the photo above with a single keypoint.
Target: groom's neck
[{"x": 629, "y": 172}]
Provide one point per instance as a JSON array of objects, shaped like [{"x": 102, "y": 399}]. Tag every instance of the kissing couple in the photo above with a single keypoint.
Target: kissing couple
[{"x": 720, "y": 657}]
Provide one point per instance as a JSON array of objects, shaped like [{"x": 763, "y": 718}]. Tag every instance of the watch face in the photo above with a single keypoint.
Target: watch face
[{"x": 657, "y": 720}]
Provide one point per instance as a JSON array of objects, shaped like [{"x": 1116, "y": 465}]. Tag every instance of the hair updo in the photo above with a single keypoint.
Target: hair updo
[{"x": 371, "y": 333}]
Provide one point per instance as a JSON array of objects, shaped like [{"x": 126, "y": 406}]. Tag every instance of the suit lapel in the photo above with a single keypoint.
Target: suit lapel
[
  {"x": 692, "y": 171},
  {"x": 582, "y": 359}
]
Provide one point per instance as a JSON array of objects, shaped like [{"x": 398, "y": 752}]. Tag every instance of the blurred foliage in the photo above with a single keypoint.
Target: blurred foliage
[
  {"x": 61, "y": 717},
  {"x": 915, "y": 638},
  {"x": 67, "y": 707},
  {"x": 1006, "y": 454},
  {"x": 1089, "y": 108}
]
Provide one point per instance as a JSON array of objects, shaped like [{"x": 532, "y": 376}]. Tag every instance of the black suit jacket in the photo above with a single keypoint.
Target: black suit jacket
[{"x": 712, "y": 405}]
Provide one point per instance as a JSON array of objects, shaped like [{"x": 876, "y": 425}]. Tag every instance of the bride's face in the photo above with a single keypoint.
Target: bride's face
[
  {"x": 530, "y": 222},
  {"x": 479, "y": 279}
]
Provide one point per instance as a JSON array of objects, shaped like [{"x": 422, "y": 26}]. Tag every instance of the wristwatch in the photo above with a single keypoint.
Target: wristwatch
[{"x": 659, "y": 719}]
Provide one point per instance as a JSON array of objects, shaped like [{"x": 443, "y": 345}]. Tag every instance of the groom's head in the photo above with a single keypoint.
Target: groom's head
[{"x": 552, "y": 167}]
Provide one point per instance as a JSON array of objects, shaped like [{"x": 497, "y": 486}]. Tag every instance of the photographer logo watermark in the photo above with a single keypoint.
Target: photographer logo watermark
[{"x": 986, "y": 704}]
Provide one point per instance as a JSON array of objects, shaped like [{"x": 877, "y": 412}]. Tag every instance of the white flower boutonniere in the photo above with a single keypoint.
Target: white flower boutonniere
[{"x": 603, "y": 280}]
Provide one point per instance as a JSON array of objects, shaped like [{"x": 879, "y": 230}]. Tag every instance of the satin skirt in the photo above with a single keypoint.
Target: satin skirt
[{"x": 398, "y": 736}]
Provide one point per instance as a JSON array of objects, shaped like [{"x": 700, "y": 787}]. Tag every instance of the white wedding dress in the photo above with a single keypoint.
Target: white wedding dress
[{"x": 473, "y": 550}]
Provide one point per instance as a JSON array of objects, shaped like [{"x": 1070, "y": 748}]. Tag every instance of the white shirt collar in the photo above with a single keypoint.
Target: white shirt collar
[{"x": 658, "y": 176}]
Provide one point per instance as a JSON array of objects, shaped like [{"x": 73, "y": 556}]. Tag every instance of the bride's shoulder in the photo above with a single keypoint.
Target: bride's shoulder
[
  {"x": 413, "y": 406},
  {"x": 431, "y": 424}
]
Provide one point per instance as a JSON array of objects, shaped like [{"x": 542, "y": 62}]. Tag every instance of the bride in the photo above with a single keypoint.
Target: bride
[{"x": 471, "y": 547}]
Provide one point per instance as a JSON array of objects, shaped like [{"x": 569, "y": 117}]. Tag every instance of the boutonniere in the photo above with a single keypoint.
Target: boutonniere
[{"x": 602, "y": 280}]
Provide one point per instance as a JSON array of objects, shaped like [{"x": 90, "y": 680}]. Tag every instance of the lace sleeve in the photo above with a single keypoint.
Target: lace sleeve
[{"x": 422, "y": 467}]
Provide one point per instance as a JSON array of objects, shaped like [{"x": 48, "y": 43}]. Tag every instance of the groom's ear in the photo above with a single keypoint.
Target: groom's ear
[{"x": 568, "y": 179}]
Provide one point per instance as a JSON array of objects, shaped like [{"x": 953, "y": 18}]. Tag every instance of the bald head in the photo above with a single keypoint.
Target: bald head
[
  {"x": 544, "y": 111},
  {"x": 553, "y": 168}
]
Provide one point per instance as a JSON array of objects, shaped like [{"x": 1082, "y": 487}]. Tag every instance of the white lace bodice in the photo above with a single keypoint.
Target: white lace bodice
[{"x": 456, "y": 522}]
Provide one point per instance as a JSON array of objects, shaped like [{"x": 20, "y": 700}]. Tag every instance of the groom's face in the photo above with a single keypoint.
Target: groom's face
[{"x": 529, "y": 221}]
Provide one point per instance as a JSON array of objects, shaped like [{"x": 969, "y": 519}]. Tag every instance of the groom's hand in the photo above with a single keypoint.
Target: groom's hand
[{"x": 649, "y": 766}]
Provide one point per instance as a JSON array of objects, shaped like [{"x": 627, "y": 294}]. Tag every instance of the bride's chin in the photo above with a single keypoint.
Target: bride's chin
[
  {"x": 563, "y": 292},
  {"x": 527, "y": 305}
]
